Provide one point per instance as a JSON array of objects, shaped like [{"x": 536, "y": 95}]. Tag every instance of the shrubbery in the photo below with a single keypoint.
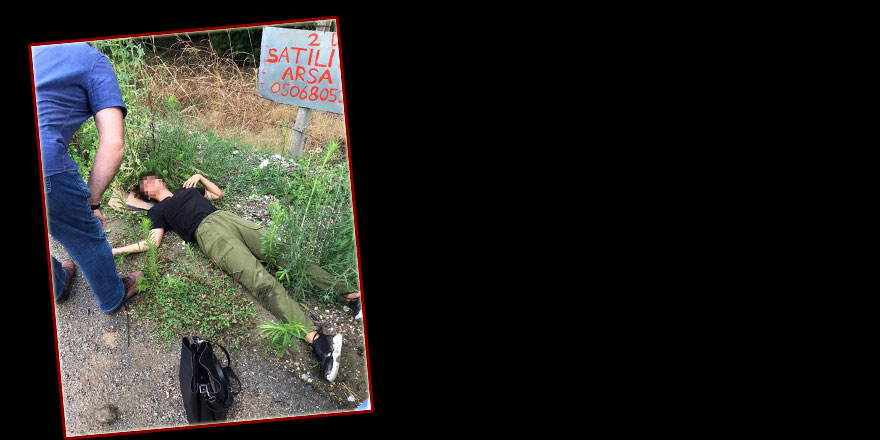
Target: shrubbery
[
  {"x": 315, "y": 219},
  {"x": 243, "y": 45},
  {"x": 313, "y": 214}
]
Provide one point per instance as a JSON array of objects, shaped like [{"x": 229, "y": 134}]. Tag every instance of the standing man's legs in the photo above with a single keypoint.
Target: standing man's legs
[
  {"x": 62, "y": 275},
  {"x": 73, "y": 224},
  {"x": 59, "y": 277}
]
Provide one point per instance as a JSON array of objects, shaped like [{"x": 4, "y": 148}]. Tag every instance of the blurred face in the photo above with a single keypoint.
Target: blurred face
[{"x": 151, "y": 186}]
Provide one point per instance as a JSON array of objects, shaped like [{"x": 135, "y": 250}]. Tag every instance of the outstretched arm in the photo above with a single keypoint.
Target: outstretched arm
[
  {"x": 212, "y": 191},
  {"x": 155, "y": 236}
]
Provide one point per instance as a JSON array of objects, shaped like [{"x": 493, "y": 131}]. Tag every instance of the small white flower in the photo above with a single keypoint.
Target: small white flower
[
  {"x": 264, "y": 163},
  {"x": 277, "y": 156}
]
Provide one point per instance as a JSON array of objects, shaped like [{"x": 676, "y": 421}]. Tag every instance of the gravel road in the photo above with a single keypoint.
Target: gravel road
[{"x": 115, "y": 379}]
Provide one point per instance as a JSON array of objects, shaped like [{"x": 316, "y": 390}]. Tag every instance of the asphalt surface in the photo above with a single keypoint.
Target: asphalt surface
[{"x": 115, "y": 379}]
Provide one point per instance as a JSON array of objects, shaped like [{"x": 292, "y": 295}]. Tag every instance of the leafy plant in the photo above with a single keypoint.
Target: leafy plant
[
  {"x": 271, "y": 245},
  {"x": 185, "y": 301},
  {"x": 312, "y": 224},
  {"x": 243, "y": 45},
  {"x": 279, "y": 334},
  {"x": 316, "y": 227},
  {"x": 190, "y": 252}
]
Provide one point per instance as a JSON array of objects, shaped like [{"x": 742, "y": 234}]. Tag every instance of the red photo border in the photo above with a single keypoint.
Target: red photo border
[{"x": 46, "y": 229}]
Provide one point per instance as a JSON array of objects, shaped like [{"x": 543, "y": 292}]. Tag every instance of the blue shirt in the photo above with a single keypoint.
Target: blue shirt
[{"x": 72, "y": 82}]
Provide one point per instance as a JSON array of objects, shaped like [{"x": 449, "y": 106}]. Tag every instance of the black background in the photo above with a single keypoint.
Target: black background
[{"x": 409, "y": 335}]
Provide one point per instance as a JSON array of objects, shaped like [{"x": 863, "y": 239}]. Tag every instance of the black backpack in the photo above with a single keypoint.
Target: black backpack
[{"x": 205, "y": 386}]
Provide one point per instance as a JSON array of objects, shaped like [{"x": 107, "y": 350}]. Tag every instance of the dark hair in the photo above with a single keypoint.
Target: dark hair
[{"x": 139, "y": 190}]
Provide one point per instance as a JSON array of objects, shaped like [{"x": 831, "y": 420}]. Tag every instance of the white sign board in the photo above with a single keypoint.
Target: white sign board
[{"x": 301, "y": 68}]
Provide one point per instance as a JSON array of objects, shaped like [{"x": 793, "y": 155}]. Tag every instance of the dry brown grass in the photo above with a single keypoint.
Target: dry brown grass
[{"x": 213, "y": 93}]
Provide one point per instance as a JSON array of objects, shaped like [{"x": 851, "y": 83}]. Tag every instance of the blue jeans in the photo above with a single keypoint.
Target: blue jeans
[{"x": 72, "y": 223}]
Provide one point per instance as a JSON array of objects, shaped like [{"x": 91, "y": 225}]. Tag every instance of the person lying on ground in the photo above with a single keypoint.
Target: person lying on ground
[{"x": 233, "y": 244}]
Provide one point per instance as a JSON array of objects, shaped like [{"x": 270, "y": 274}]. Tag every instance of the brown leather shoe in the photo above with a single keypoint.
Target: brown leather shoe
[
  {"x": 70, "y": 268},
  {"x": 129, "y": 286},
  {"x": 129, "y": 283}
]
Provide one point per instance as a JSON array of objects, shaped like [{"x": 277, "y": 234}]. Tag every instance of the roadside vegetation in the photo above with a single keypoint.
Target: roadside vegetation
[{"x": 191, "y": 110}]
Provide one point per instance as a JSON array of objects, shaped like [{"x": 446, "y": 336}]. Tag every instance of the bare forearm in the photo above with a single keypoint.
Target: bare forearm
[
  {"x": 108, "y": 158},
  {"x": 132, "y": 248},
  {"x": 210, "y": 186},
  {"x": 111, "y": 147},
  {"x": 155, "y": 237}
]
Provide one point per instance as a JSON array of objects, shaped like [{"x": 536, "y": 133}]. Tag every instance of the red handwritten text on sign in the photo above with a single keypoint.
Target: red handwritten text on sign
[{"x": 301, "y": 67}]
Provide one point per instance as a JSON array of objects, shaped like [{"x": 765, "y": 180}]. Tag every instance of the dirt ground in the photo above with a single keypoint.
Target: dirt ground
[{"x": 116, "y": 376}]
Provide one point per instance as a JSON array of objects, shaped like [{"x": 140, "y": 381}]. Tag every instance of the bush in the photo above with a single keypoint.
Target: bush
[
  {"x": 243, "y": 45},
  {"x": 316, "y": 222},
  {"x": 314, "y": 215}
]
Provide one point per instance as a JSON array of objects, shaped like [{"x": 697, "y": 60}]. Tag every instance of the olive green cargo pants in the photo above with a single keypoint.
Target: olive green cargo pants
[{"x": 233, "y": 243}]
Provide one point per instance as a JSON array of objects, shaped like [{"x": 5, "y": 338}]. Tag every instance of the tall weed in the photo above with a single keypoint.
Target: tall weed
[
  {"x": 315, "y": 224},
  {"x": 280, "y": 335}
]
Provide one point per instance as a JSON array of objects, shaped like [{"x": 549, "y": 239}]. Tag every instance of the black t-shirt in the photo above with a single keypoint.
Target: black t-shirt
[{"x": 182, "y": 212}]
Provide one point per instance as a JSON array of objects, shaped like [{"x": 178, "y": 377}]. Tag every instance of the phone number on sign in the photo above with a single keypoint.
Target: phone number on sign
[{"x": 307, "y": 93}]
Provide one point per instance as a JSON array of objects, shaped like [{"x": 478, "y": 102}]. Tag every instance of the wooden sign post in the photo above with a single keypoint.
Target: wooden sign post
[{"x": 301, "y": 67}]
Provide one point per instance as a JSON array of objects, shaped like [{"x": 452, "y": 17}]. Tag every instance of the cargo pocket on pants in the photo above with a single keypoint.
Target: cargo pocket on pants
[
  {"x": 238, "y": 261},
  {"x": 216, "y": 248},
  {"x": 243, "y": 222}
]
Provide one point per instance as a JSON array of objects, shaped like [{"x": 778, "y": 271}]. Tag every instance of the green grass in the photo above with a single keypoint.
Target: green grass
[
  {"x": 315, "y": 219},
  {"x": 180, "y": 303},
  {"x": 186, "y": 294}
]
